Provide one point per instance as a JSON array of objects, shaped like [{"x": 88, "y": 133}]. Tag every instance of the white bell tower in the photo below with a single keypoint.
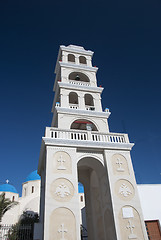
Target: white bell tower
[{"x": 78, "y": 147}]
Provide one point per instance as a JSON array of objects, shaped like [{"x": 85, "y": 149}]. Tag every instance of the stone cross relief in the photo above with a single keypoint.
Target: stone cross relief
[
  {"x": 62, "y": 190},
  {"x": 131, "y": 227},
  {"x": 124, "y": 190},
  {"x": 61, "y": 161},
  {"x": 62, "y": 231},
  {"x": 119, "y": 163}
]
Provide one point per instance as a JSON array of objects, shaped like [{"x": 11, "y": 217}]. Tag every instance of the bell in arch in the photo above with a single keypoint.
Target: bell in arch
[{"x": 77, "y": 77}]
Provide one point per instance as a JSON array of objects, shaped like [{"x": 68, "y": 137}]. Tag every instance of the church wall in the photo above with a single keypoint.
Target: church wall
[{"x": 150, "y": 198}]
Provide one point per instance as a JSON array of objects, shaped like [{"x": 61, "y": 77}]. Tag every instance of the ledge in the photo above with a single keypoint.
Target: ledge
[
  {"x": 81, "y": 87},
  {"x": 82, "y": 112},
  {"x": 75, "y": 66}
]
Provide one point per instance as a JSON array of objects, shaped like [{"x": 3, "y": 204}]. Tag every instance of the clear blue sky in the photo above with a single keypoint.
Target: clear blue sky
[{"x": 126, "y": 38}]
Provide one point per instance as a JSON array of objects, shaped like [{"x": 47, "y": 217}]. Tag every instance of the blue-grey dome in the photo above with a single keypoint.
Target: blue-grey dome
[
  {"x": 80, "y": 188},
  {"x": 33, "y": 176},
  {"x": 7, "y": 188}
]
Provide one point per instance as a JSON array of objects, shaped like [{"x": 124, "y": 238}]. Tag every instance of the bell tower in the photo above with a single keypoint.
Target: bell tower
[{"x": 78, "y": 147}]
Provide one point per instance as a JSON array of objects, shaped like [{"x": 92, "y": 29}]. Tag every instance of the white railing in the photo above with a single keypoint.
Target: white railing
[
  {"x": 69, "y": 135},
  {"x": 79, "y": 83},
  {"x": 86, "y": 136},
  {"x": 115, "y": 138},
  {"x": 73, "y": 106}
]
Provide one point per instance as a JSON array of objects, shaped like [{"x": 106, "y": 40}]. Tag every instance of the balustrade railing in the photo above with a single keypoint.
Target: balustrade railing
[
  {"x": 79, "y": 83},
  {"x": 86, "y": 136},
  {"x": 90, "y": 108},
  {"x": 73, "y": 106}
]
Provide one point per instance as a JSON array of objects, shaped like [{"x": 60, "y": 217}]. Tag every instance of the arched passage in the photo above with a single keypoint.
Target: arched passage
[
  {"x": 98, "y": 207},
  {"x": 83, "y": 124},
  {"x": 78, "y": 76}
]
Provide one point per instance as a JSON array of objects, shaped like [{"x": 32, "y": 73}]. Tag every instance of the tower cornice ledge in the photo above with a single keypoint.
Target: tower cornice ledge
[
  {"x": 78, "y": 67},
  {"x": 81, "y": 87},
  {"x": 76, "y": 49},
  {"x": 85, "y": 113},
  {"x": 87, "y": 144}
]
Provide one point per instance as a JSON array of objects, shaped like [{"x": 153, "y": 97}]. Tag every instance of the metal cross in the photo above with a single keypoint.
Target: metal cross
[
  {"x": 61, "y": 160},
  {"x": 62, "y": 230},
  {"x": 119, "y": 162}
]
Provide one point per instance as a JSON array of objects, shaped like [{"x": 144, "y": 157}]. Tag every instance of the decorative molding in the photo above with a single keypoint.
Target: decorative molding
[
  {"x": 80, "y": 87},
  {"x": 124, "y": 190},
  {"x": 87, "y": 144},
  {"x": 85, "y": 113},
  {"x": 62, "y": 190}
]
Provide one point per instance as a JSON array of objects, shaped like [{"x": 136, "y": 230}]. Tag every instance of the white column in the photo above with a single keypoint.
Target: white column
[
  {"x": 64, "y": 57},
  {"x": 89, "y": 63},
  {"x": 81, "y": 101},
  {"x": 77, "y": 59}
]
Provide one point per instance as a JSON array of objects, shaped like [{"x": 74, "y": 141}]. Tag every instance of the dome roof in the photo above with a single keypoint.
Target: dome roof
[
  {"x": 80, "y": 188},
  {"x": 7, "y": 188},
  {"x": 33, "y": 176}
]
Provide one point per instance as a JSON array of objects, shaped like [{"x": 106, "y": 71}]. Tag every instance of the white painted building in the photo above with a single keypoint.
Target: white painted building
[
  {"x": 28, "y": 202},
  {"x": 149, "y": 194},
  {"x": 78, "y": 147}
]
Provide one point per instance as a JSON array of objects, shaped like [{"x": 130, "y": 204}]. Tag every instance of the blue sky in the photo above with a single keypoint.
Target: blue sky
[{"x": 126, "y": 38}]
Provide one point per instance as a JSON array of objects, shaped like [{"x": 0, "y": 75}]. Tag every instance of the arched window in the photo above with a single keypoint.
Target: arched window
[
  {"x": 32, "y": 189},
  {"x": 83, "y": 124},
  {"x": 82, "y": 60},
  {"x": 73, "y": 98},
  {"x": 77, "y": 76},
  {"x": 13, "y": 198},
  {"x": 71, "y": 58},
  {"x": 89, "y": 102}
]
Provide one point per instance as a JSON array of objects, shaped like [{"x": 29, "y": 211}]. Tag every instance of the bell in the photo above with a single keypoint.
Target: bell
[{"x": 77, "y": 78}]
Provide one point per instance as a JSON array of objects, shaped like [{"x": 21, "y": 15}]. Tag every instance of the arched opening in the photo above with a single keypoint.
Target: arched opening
[
  {"x": 99, "y": 222},
  {"x": 82, "y": 124},
  {"x": 73, "y": 100},
  {"x": 71, "y": 58},
  {"x": 77, "y": 76},
  {"x": 89, "y": 104},
  {"x": 82, "y": 60}
]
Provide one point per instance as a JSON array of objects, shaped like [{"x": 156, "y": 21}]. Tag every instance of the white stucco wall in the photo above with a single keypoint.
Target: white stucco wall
[{"x": 150, "y": 198}]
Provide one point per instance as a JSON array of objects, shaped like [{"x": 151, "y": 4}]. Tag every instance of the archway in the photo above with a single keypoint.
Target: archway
[
  {"x": 83, "y": 124},
  {"x": 78, "y": 76},
  {"x": 98, "y": 207}
]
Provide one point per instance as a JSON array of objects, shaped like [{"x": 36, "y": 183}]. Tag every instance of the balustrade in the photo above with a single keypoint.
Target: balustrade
[
  {"x": 79, "y": 83},
  {"x": 86, "y": 136}
]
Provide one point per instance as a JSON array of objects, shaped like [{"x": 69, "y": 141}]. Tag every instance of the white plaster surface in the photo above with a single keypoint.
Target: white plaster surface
[{"x": 150, "y": 198}]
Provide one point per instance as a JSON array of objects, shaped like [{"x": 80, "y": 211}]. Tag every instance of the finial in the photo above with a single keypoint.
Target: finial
[{"x": 7, "y": 181}]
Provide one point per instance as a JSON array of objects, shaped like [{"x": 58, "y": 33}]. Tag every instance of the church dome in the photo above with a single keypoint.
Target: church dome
[
  {"x": 33, "y": 176},
  {"x": 80, "y": 188},
  {"x": 7, "y": 188}
]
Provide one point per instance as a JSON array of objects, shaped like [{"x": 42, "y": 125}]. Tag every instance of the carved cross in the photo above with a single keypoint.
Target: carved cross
[
  {"x": 61, "y": 161},
  {"x": 62, "y": 230},
  {"x": 119, "y": 162},
  {"x": 131, "y": 227}
]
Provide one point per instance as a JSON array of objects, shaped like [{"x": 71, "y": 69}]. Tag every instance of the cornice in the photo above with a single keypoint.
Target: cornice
[
  {"x": 89, "y": 113},
  {"x": 78, "y": 50},
  {"x": 80, "y": 87},
  {"x": 87, "y": 144},
  {"x": 78, "y": 67}
]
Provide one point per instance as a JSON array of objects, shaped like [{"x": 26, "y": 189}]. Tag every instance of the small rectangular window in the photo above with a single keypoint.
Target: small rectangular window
[{"x": 32, "y": 189}]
